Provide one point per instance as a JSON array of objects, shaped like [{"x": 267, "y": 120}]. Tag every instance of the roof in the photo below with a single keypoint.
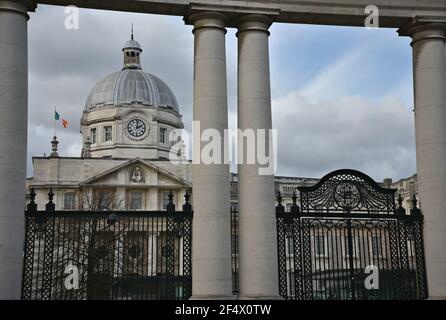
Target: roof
[{"x": 131, "y": 87}]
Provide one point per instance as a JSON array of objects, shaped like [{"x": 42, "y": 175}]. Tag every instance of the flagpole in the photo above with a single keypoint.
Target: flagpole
[{"x": 54, "y": 116}]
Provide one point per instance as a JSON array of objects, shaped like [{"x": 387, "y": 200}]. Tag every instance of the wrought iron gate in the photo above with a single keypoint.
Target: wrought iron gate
[
  {"x": 107, "y": 255},
  {"x": 348, "y": 240}
]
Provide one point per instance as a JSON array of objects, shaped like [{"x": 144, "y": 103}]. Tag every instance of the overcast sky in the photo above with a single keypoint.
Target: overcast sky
[{"x": 341, "y": 97}]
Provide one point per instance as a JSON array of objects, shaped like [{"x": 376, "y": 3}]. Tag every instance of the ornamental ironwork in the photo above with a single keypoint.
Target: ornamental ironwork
[
  {"x": 118, "y": 256},
  {"x": 347, "y": 225},
  {"x": 347, "y": 190}
]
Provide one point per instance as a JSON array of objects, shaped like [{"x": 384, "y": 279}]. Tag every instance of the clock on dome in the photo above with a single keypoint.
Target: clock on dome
[{"x": 136, "y": 128}]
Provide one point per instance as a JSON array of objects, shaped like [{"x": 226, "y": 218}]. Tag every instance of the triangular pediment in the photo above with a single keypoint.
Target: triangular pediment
[{"x": 138, "y": 173}]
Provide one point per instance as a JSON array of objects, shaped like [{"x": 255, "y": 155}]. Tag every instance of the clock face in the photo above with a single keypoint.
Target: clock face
[{"x": 136, "y": 128}]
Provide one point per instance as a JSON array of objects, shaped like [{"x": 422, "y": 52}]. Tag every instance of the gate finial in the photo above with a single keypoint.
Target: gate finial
[
  {"x": 279, "y": 207},
  {"x": 400, "y": 210},
  {"x": 50, "y": 207},
  {"x": 294, "y": 208},
  {"x": 400, "y": 201},
  {"x": 415, "y": 210},
  {"x": 414, "y": 201},
  {"x": 32, "y": 206},
  {"x": 170, "y": 205},
  {"x": 187, "y": 206}
]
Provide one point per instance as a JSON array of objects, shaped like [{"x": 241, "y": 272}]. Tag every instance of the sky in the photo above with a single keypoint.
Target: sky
[{"x": 342, "y": 97}]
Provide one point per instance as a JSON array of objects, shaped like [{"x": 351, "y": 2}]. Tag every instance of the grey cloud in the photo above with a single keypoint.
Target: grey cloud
[
  {"x": 314, "y": 137},
  {"x": 348, "y": 132},
  {"x": 65, "y": 64}
]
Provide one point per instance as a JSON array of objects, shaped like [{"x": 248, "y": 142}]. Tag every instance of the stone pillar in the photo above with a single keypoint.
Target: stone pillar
[
  {"x": 257, "y": 222},
  {"x": 13, "y": 143},
  {"x": 211, "y": 253},
  {"x": 429, "y": 67}
]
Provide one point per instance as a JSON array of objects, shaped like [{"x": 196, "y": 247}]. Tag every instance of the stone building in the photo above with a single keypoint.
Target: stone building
[
  {"x": 407, "y": 188},
  {"x": 125, "y": 128}
]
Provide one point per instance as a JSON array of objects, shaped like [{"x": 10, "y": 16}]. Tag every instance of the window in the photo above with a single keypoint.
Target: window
[
  {"x": 104, "y": 199},
  {"x": 354, "y": 246},
  {"x": 93, "y": 135},
  {"x": 166, "y": 200},
  {"x": 376, "y": 246},
  {"x": 163, "y": 133},
  {"x": 135, "y": 200},
  {"x": 320, "y": 245},
  {"x": 108, "y": 133},
  {"x": 69, "y": 201}
]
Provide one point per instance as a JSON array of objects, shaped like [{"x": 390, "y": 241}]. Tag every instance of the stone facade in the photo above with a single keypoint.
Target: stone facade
[{"x": 72, "y": 179}]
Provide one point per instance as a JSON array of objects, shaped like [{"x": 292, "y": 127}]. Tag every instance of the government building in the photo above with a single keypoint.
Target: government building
[
  {"x": 125, "y": 127},
  {"x": 125, "y": 130}
]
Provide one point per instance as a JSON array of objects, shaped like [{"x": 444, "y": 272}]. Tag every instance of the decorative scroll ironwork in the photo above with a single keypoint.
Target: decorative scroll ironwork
[
  {"x": 347, "y": 191},
  {"x": 347, "y": 227},
  {"x": 116, "y": 255}
]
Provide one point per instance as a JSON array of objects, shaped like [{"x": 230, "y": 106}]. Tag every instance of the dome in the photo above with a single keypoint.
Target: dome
[
  {"x": 131, "y": 86},
  {"x": 132, "y": 44}
]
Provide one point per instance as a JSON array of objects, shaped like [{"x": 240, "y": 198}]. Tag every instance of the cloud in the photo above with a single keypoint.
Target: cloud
[
  {"x": 315, "y": 138},
  {"x": 342, "y": 73},
  {"x": 65, "y": 64},
  {"x": 341, "y": 96},
  {"x": 352, "y": 113}
]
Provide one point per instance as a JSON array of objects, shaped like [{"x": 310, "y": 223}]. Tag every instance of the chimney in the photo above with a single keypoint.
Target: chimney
[{"x": 387, "y": 183}]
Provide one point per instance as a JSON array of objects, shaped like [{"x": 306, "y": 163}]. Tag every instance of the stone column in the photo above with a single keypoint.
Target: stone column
[
  {"x": 13, "y": 143},
  {"x": 429, "y": 67},
  {"x": 257, "y": 222},
  {"x": 211, "y": 253}
]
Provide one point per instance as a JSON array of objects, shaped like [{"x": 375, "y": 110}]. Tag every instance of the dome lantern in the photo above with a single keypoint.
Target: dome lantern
[{"x": 132, "y": 54}]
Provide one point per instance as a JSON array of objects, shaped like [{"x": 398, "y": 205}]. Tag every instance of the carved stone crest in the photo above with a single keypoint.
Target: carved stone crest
[{"x": 137, "y": 175}]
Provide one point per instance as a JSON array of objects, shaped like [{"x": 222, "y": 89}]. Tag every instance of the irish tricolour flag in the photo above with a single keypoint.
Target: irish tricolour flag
[{"x": 57, "y": 117}]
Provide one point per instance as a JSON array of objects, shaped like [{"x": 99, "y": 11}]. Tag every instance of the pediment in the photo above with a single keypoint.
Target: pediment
[{"x": 138, "y": 173}]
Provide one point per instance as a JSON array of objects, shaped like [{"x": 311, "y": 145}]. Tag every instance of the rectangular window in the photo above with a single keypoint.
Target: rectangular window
[
  {"x": 104, "y": 199},
  {"x": 135, "y": 200},
  {"x": 69, "y": 201},
  {"x": 166, "y": 199},
  {"x": 108, "y": 133},
  {"x": 376, "y": 246},
  {"x": 354, "y": 246},
  {"x": 93, "y": 135},
  {"x": 320, "y": 245},
  {"x": 163, "y": 134}
]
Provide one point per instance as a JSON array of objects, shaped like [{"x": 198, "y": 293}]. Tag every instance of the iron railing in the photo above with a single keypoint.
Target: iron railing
[{"x": 105, "y": 255}]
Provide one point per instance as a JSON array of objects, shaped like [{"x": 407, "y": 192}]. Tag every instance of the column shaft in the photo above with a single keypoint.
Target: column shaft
[
  {"x": 429, "y": 67},
  {"x": 211, "y": 254},
  {"x": 13, "y": 143},
  {"x": 257, "y": 233}
]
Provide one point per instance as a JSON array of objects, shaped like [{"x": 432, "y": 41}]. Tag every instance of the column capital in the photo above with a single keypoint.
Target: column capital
[
  {"x": 19, "y": 6},
  {"x": 423, "y": 28},
  {"x": 253, "y": 22},
  {"x": 207, "y": 19}
]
